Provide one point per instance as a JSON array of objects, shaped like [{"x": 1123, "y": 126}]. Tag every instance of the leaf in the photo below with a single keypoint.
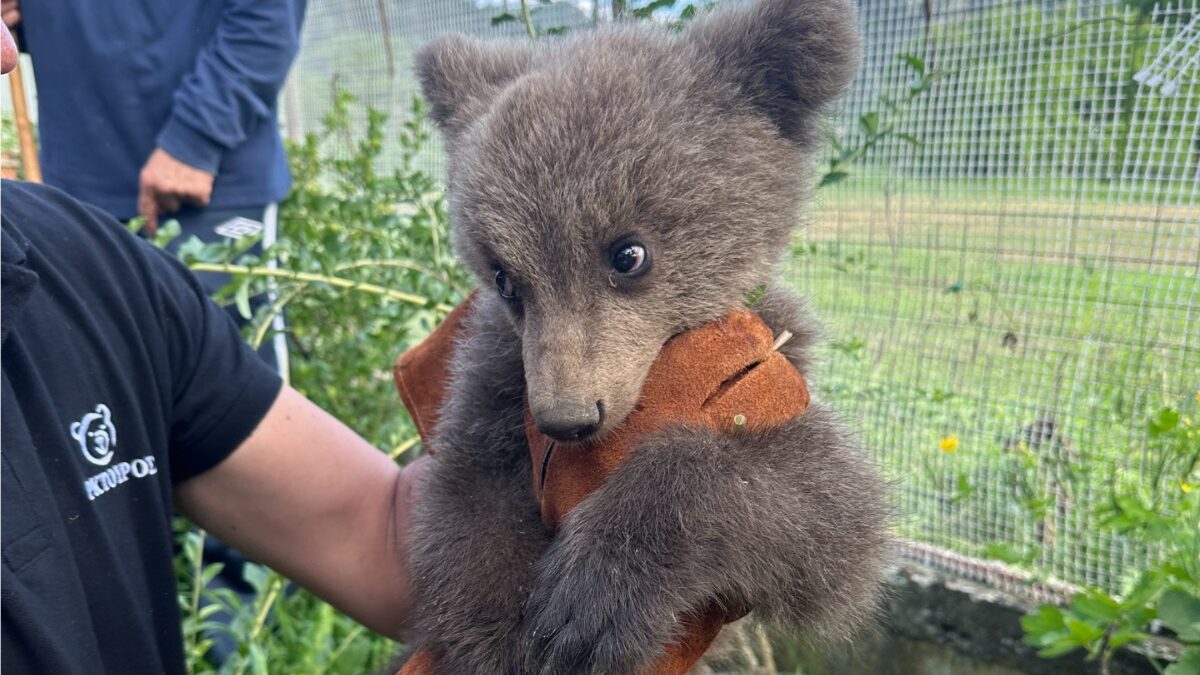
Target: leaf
[
  {"x": 556, "y": 30},
  {"x": 909, "y": 138},
  {"x": 1125, "y": 636},
  {"x": 1083, "y": 632},
  {"x": 915, "y": 62},
  {"x": 688, "y": 13},
  {"x": 963, "y": 489},
  {"x": 1147, "y": 585},
  {"x": 645, "y": 12},
  {"x": 167, "y": 232},
  {"x": 1163, "y": 422},
  {"x": 1096, "y": 605},
  {"x": 209, "y": 573},
  {"x": 869, "y": 122},
  {"x": 1046, "y": 621},
  {"x": 1006, "y": 552},
  {"x": 242, "y": 298},
  {"x": 1061, "y": 646},
  {"x": 1180, "y": 611},
  {"x": 256, "y": 575},
  {"x": 920, "y": 86},
  {"x": 833, "y": 178},
  {"x": 1126, "y": 512},
  {"x": 207, "y": 611},
  {"x": 755, "y": 295},
  {"x": 503, "y": 18}
]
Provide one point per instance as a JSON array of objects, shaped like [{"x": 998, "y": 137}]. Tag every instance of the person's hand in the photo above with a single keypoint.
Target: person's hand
[
  {"x": 166, "y": 184},
  {"x": 10, "y": 12},
  {"x": 8, "y": 50}
]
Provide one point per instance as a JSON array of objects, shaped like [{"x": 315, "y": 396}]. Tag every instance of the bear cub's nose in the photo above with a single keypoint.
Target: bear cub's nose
[{"x": 568, "y": 423}]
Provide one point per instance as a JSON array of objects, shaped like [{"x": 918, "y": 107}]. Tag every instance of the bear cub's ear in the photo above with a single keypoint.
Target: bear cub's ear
[
  {"x": 788, "y": 57},
  {"x": 459, "y": 76}
]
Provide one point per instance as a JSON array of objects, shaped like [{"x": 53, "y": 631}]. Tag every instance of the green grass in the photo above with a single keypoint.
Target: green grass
[
  {"x": 871, "y": 182},
  {"x": 968, "y": 318}
]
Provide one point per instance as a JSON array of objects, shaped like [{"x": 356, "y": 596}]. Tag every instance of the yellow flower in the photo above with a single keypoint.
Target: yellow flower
[
  {"x": 1186, "y": 486},
  {"x": 948, "y": 443}
]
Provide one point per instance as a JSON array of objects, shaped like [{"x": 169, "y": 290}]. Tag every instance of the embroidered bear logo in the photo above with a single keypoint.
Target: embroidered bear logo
[{"x": 96, "y": 435}]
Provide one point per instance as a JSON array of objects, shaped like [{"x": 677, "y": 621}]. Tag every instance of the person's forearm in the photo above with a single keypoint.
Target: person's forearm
[
  {"x": 380, "y": 597},
  {"x": 308, "y": 497}
]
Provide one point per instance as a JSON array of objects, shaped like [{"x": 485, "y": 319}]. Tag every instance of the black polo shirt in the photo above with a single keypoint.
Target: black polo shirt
[{"x": 120, "y": 379}]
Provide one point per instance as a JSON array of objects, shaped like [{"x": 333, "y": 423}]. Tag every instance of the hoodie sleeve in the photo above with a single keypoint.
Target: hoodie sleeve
[{"x": 235, "y": 81}]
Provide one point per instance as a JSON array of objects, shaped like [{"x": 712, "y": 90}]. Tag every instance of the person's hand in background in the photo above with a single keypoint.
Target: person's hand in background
[
  {"x": 166, "y": 184},
  {"x": 10, "y": 12},
  {"x": 8, "y": 50}
]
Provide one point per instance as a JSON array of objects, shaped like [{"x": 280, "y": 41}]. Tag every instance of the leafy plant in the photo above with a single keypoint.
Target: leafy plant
[
  {"x": 10, "y": 148},
  {"x": 363, "y": 269},
  {"x": 279, "y": 629},
  {"x": 876, "y": 126},
  {"x": 1163, "y": 513}
]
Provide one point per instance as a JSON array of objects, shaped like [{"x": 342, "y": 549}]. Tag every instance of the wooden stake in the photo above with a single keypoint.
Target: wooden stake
[{"x": 29, "y": 151}]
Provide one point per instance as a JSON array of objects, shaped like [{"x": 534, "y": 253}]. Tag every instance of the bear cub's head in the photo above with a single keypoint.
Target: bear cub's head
[{"x": 614, "y": 188}]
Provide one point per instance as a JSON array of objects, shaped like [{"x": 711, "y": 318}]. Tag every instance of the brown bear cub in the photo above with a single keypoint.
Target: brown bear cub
[{"x": 612, "y": 190}]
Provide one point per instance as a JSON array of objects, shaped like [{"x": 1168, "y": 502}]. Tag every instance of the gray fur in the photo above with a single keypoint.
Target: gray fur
[
  {"x": 698, "y": 145},
  {"x": 477, "y": 529}
]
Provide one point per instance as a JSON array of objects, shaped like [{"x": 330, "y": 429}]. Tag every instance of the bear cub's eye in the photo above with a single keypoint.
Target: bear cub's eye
[
  {"x": 629, "y": 259},
  {"x": 505, "y": 286}
]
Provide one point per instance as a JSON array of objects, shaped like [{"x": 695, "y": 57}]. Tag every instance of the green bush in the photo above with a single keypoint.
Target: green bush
[
  {"x": 364, "y": 270},
  {"x": 1160, "y": 509}
]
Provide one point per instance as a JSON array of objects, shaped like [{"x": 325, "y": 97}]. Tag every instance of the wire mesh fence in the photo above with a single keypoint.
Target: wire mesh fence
[
  {"x": 365, "y": 48},
  {"x": 1011, "y": 277},
  {"x": 1013, "y": 291}
]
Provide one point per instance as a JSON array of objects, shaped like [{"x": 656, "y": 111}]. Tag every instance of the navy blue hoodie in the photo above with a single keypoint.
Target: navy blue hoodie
[{"x": 199, "y": 78}]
